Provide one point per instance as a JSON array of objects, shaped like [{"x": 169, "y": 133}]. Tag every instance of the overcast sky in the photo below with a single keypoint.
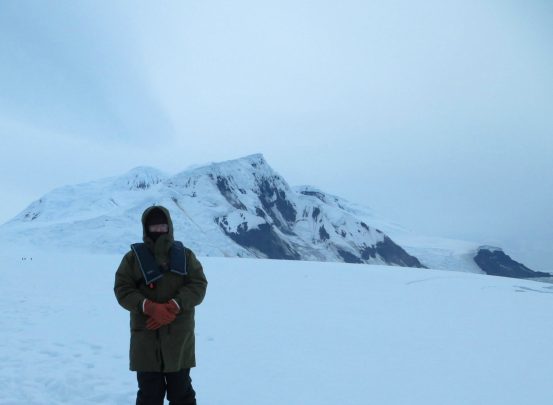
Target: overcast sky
[{"x": 437, "y": 114}]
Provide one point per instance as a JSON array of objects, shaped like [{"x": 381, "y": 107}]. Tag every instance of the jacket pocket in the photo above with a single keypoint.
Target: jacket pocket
[{"x": 183, "y": 322}]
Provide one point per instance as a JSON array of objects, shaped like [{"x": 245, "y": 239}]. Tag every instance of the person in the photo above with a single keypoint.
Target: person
[{"x": 160, "y": 282}]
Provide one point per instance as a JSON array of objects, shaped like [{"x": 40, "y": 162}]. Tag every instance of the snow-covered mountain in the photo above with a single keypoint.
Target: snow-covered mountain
[{"x": 238, "y": 208}]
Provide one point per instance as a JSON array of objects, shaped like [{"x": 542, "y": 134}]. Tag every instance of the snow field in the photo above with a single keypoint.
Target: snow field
[{"x": 274, "y": 332}]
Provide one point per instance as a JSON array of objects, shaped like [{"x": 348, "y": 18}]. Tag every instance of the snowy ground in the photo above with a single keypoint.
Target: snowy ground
[{"x": 275, "y": 332}]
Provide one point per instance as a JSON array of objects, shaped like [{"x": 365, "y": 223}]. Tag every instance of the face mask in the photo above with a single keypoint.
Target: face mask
[
  {"x": 158, "y": 228},
  {"x": 155, "y": 236}
]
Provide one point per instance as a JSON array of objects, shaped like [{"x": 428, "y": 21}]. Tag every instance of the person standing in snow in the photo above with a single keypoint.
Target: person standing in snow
[{"x": 160, "y": 282}]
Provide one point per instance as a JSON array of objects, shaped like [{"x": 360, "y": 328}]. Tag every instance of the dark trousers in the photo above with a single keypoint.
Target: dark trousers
[{"x": 152, "y": 388}]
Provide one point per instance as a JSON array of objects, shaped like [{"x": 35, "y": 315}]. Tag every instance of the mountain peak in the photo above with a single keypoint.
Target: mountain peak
[
  {"x": 255, "y": 157},
  {"x": 140, "y": 178},
  {"x": 256, "y": 161},
  {"x": 490, "y": 248},
  {"x": 244, "y": 170}
]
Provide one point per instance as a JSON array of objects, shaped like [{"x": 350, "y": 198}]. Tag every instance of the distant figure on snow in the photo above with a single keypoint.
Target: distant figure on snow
[{"x": 160, "y": 282}]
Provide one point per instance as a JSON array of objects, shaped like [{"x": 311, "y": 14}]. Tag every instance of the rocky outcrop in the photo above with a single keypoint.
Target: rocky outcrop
[
  {"x": 263, "y": 239},
  {"x": 495, "y": 262},
  {"x": 393, "y": 253}
]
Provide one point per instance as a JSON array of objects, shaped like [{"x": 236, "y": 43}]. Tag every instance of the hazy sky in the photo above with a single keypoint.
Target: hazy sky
[{"x": 437, "y": 114}]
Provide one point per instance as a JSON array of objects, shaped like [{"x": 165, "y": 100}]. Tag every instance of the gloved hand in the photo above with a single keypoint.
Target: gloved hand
[
  {"x": 159, "y": 312},
  {"x": 172, "y": 306},
  {"x": 151, "y": 324}
]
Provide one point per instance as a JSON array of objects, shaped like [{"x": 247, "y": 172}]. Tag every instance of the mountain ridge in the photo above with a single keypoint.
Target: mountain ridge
[{"x": 239, "y": 207}]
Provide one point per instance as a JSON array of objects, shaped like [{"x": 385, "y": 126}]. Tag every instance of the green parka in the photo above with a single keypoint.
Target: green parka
[{"x": 171, "y": 347}]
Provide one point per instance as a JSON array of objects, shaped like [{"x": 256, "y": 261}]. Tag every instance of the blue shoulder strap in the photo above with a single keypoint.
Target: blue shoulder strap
[
  {"x": 177, "y": 258},
  {"x": 150, "y": 269}
]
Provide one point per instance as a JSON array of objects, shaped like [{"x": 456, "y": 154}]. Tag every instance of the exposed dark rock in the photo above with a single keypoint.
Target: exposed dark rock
[
  {"x": 143, "y": 185},
  {"x": 368, "y": 252},
  {"x": 337, "y": 202},
  {"x": 263, "y": 239},
  {"x": 364, "y": 225},
  {"x": 497, "y": 263},
  {"x": 227, "y": 192},
  {"x": 315, "y": 213},
  {"x": 394, "y": 254},
  {"x": 271, "y": 197},
  {"x": 260, "y": 213},
  {"x": 349, "y": 257},
  {"x": 285, "y": 207},
  {"x": 320, "y": 196},
  {"x": 323, "y": 234},
  {"x": 32, "y": 216}
]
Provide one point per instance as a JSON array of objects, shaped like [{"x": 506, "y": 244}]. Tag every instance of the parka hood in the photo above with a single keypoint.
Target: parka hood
[{"x": 145, "y": 215}]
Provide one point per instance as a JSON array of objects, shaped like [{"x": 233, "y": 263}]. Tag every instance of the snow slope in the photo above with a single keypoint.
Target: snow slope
[{"x": 271, "y": 332}]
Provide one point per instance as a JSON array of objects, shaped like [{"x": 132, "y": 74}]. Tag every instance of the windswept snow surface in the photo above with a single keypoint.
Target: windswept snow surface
[{"x": 283, "y": 332}]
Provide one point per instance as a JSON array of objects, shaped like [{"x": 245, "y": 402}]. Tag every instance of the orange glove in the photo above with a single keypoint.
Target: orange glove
[
  {"x": 172, "y": 306},
  {"x": 152, "y": 325},
  {"x": 159, "y": 312}
]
